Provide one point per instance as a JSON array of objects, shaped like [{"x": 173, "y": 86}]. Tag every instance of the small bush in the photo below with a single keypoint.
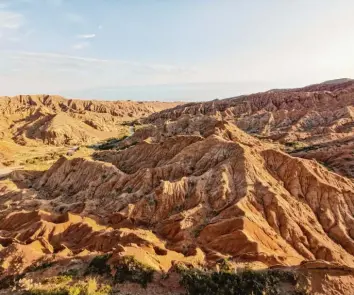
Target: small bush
[
  {"x": 80, "y": 288},
  {"x": 225, "y": 265},
  {"x": 199, "y": 282},
  {"x": 177, "y": 209},
  {"x": 324, "y": 164},
  {"x": 40, "y": 266},
  {"x": 55, "y": 291},
  {"x": 91, "y": 288},
  {"x": 198, "y": 230},
  {"x": 62, "y": 279},
  {"x": 295, "y": 145},
  {"x": 110, "y": 143},
  {"x": 129, "y": 269},
  {"x": 99, "y": 265},
  {"x": 71, "y": 273},
  {"x": 152, "y": 202},
  {"x": 10, "y": 281}
]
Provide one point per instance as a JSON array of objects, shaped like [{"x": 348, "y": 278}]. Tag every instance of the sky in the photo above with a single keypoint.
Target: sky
[{"x": 185, "y": 50}]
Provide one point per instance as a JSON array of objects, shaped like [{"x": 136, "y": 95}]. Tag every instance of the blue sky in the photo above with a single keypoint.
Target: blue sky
[{"x": 171, "y": 50}]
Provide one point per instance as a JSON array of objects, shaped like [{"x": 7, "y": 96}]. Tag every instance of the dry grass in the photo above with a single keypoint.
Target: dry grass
[
  {"x": 37, "y": 158},
  {"x": 66, "y": 286}
]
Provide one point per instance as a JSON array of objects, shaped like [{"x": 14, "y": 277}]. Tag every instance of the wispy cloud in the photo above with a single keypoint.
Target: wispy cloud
[
  {"x": 10, "y": 20},
  {"x": 143, "y": 67},
  {"x": 115, "y": 62},
  {"x": 55, "y": 73},
  {"x": 81, "y": 45},
  {"x": 11, "y": 23},
  {"x": 86, "y": 36}
]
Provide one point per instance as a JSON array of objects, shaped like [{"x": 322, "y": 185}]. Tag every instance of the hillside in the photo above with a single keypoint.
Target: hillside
[
  {"x": 319, "y": 114},
  {"x": 204, "y": 198},
  {"x": 38, "y": 119},
  {"x": 195, "y": 191},
  {"x": 39, "y": 128}
]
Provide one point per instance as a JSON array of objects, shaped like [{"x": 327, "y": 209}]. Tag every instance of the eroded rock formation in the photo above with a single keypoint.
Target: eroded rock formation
[
  {"x": 194, "y": 188},
  {"x": 303, "y": 119},
  {"x": 31, "y": 119}
]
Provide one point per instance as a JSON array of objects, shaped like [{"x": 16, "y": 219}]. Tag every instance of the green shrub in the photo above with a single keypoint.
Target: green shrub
[
  {"x": 70, "y": 272},
  {"x": 110, "y": 143},
  {"x": 247, "y": 282},
  {"x": 225, "y": 265},
  {"x": 152, "y": 202},
  {"x": 198, "y": 230},
  {"x": 57, "y": 280},
  {"x": 99, "y": 265},
  {"x": 10, "y": 281},
  {"x": 324, "y": 164},
  {"x": 129, "y": 269},
  {"x": 295, "y": 145},
  {"x": 80, "y": 288},
  {"x": 55, "y": 291},
  {"x": 40, "y": 266}
]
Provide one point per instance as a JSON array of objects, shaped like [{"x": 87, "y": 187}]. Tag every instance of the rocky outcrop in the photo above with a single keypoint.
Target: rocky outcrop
[
  {"x": 311, "y": 114},
  {"x": 33, "y": 235},
  {"x": 314, "y": 122}
]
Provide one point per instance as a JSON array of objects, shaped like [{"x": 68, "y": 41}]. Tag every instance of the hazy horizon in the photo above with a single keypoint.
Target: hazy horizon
[{"x": 164, "y": 50}]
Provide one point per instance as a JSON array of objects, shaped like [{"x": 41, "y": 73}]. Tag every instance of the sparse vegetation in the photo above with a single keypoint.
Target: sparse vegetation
[
  {"x": 51, "y": 156},
  {"x": 177, "y": 209},
  {"x": 52, "y": 291},
  {"x": 225, "y": 265},
  {"x": 246, "y": 282},
  {"x": 198, "y": 229},
  {"x": 324, "y": 164},
  {"x": 138, "y": 126},
  {"x": 295, "y": 145},
  {"x": 99, "y": 265},
  {"x": 165, "y": 276},
  {"x": 152, "y": 202},
  {"x": 71, "y": 272},
  {"x": 127, "y": 269},
  {"x": 132, "y": 270},
  {"x": 110, "y": 143},
  {"x": 10, "y": 281},
  {"x": 41, "y": 266},
  {"x": 80, "y": 288},
  {"x": 57, "y": 280}
]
